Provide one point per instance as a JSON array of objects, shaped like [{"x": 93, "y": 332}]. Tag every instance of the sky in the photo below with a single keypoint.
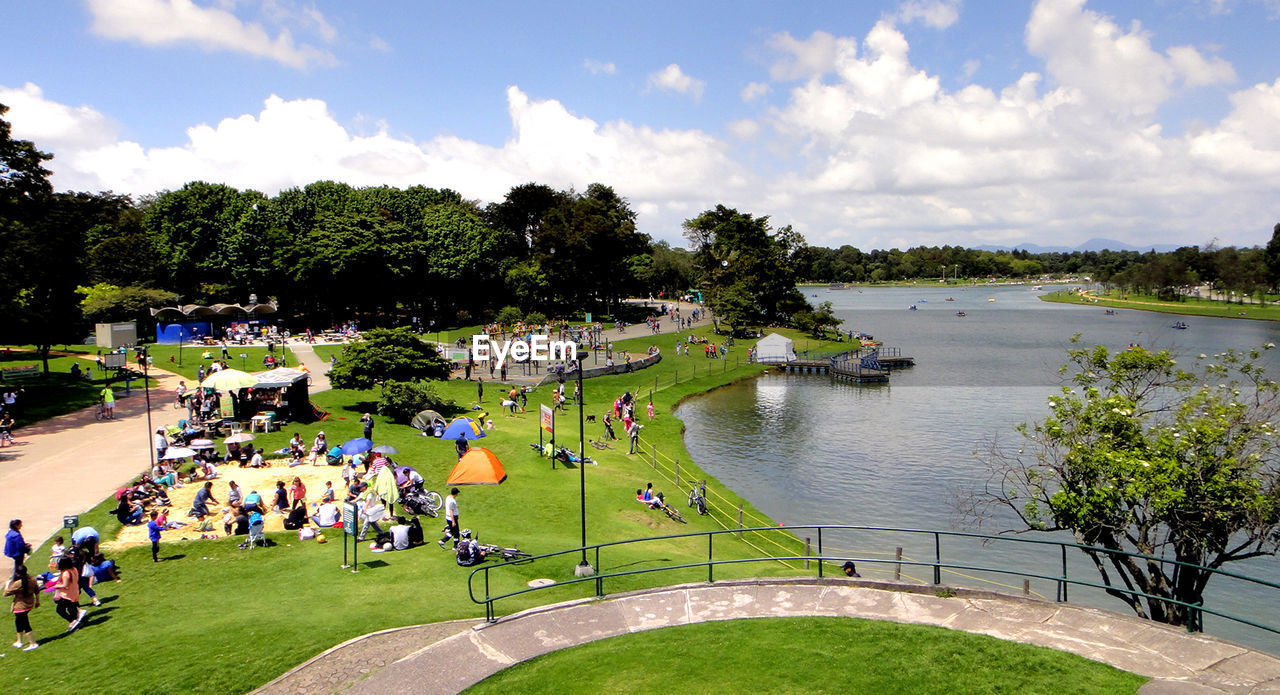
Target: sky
[{"x": 876, "y": 124}]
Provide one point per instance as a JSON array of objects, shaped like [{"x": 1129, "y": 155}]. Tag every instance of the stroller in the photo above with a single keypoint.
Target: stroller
[{"x": 417, "y": 501}]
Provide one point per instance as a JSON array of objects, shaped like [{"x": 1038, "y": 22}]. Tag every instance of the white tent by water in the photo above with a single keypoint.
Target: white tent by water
[{"x": 775, "y": 348}]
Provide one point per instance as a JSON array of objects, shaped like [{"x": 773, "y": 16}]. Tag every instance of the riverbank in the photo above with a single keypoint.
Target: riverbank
[
  {"x": 1191, "y": 306},
  {"x": 209, "y": 600}
]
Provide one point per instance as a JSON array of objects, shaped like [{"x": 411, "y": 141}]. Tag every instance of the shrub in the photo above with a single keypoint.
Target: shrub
[
  {"x": 401, "y": 400},
  {"x": 509, "y": 315},
  {"x": 536, "y": 318}
]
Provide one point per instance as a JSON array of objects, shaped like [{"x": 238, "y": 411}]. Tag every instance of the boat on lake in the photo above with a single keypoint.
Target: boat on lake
[
  {"x": 1181, "y": 325},
  {"x": 1109, "y": 312},
  {"x": 961, "y": 313}
]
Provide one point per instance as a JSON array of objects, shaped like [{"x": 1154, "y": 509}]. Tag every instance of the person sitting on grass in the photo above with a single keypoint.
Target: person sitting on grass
[
  {"x": 297, "y": 448},
  {"x": 128, "y": 511},
  {"x": 103, "y": 569},
  {"x": 326, "y": 515},
  {"x": 469, "y": 551}
]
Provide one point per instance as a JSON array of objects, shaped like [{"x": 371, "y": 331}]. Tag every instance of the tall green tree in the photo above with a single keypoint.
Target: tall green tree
[
  {"x": 385, "y": 355},
  {"x": 1138, "y": 455}
]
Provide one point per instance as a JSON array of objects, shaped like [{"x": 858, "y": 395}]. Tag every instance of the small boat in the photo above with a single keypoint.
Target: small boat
[
  {"x": 1109, "y": 312},
  {"x": 1181, "y": 325},
  {"x": 961, "y": 313},
  {"x": 924, "y": 301},
  {"x": 1036, "y": 287},
  {"x": 950, "y": 299},
  {"x": 912, "y": 308},
  {"x": 991, "y": 299}
]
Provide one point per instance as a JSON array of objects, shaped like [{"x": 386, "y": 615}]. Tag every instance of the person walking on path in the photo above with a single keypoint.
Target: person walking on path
[
  {"x": 67, "y": 593},
  {"x": 26, "y": 598},
  {"x": 153, "y": 534},
  {"x": 15, "y": 546},
  {"x": 451, "y": 530},
  {"x": 109, "y": 401},
  {"x": 161, "y": 444},
  {"x": 6, "y": 429}
]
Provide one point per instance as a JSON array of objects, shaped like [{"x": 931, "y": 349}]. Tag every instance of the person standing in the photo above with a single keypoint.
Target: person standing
[
  {"x": 15, "y": 546},
  {"x": 161, "y": 444},
  {"x": 451, "y": 519},
  {"x": 109, "y": 401},
  {"x": 634, "y": 435},
  {"x": 153, "y": 534},
  {"x": 367, "y": 421},
  {"x": 479, "y": 389},
  {"x": 650, "y": 410},
  {"x": 67, "y": 593},
  {"x": 26, "y": 598}
]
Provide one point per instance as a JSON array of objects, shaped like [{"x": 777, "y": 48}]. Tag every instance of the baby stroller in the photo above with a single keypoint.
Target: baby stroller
[{"x": 417, "y": 501}]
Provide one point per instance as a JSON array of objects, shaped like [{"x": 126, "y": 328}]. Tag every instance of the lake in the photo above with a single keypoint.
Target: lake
[{"x": 806, "y": 449}]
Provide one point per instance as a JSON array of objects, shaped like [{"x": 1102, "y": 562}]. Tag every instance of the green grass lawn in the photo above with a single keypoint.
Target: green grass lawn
[
  {"x": 809, "y": 655},
  {"x": 57, "y": 392},
  {"x": 1192, "y": 306},
  {"x": 187, "y": 363},
  {"x": 233, "y": 621}
]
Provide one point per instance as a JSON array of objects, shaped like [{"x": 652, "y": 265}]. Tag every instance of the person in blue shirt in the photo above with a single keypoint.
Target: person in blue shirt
[
  {"x": 14, "y": 545},
  {"x": 153, "y": 533}
]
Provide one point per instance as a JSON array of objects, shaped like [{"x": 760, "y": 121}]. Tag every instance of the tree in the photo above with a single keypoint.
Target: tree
[
  {"x": 106, "y": 303},
  {"x": 1140, "y": 456},
  {"x": 1273, "y": 257},
  {"x": 387, "y": 354}
]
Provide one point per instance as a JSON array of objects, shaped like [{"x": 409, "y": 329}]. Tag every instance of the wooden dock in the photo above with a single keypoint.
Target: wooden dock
[{"x": 861, "y": 366}]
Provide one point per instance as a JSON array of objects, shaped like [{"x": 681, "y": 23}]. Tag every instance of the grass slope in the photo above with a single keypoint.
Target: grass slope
[
  {"x": 809, "y": 655},
  {"x": 1193, "y": 306},
  {"x": 233, "y": 621}
]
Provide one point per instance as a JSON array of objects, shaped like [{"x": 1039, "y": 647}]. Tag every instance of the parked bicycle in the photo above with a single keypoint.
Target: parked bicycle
[
  {"x": 101, "y": 412},
  {"x": 507, "y": 554},
  {"x": 698, "y": 497}
]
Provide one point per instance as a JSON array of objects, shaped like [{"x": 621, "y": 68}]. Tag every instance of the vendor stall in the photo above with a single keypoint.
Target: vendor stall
[{"x": 281, "y": 391}]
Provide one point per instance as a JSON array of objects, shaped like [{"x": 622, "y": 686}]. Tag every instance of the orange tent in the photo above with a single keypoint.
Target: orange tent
[{"x": 478, "y": 466}]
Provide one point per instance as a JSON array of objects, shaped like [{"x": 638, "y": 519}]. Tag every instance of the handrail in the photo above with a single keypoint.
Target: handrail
[{"x": 1062, "y": 581}]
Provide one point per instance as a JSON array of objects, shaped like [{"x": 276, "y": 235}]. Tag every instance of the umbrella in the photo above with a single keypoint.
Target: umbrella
[
  {"x": 463, "y": 428},
  {"x": 202, "y": 444},
  {"x": 478, "y": 466},
  {"x": 426, "y": 419},
  {"x": 238, "y": 438},
  {"x": 356, "y": 446},
  {"x": 177, "y": 452},
  {"x": 385, "y": 449},
  {"x": 229, "y": 380}
]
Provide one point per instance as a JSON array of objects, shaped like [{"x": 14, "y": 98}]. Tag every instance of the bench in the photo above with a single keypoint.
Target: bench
[{"x": 20, "y": 373}]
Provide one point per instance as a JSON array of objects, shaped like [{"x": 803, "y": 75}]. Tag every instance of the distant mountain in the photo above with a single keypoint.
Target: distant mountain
[{"x": 1090, "y": 245}]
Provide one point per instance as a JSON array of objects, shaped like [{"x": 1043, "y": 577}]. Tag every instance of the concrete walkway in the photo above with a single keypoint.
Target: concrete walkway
[
  {"x": 1179, "y": 663},
  {"x": 68, "y": 464},
  {"x": 319, "y": 368}
]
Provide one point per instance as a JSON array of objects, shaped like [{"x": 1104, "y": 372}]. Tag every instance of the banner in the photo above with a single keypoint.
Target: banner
[{"x": 548, "y": 419}]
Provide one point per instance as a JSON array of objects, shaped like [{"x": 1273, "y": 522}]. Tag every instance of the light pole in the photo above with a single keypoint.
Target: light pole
[
  {"x": 584, "y": 568},
  {"x": 179, "y": 346},
  {"x": 146, "y": 389}
]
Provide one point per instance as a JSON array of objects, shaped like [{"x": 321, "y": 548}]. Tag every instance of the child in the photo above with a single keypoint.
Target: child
[
  {"x": 26, "y": 598},
  {"x": 56, "y": 552},
  {"x": 298, "y": 492},
  {"x": 228, "y": 520},
  {"x": 281, "y": 503},
  {"x": 650, "y": 410},
  {"x": 153, "y": 534},
  {"x": 327, "y": 497}
]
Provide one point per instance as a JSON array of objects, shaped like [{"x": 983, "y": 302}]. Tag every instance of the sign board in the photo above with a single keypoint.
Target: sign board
[
  {"x": 588, "y": 318},
  {"x": 114, "y": 360},
  {"x": 349, "y": 518},
  {"x": 548, "y": 418},
  {"x": 71, "y": 521}
]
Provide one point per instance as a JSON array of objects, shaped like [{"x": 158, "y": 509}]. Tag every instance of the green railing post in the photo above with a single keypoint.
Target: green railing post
[
  {"x": 488, "y": 606},
  {"x": 710, "y": 559},
  {"x": 599, "y": 578},
  {"x": 819, "y": 552},
  {"x": 1062, "y": 583},
  {"x": 937, "y": 558}
]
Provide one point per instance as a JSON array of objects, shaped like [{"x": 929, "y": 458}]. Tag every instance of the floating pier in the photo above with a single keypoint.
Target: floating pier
[{"x": 861, "y": 366}]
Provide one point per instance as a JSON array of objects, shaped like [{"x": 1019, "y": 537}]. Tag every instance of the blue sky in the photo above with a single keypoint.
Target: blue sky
[{"x": 877, "y": 124}]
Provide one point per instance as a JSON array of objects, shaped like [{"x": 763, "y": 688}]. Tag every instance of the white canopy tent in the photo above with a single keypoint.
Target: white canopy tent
[{"x": 775, "y": 349}]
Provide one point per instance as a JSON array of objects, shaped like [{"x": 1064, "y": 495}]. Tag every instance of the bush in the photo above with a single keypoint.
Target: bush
[
  {"x": 387, "y": 354},
  {"x": 536, "y": 318},
  {"x": 401, "y": 400},
  {"x": 509, "y": 315}
]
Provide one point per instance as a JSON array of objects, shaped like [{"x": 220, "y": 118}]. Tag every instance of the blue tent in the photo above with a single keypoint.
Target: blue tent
[{"x": 463, "y": 428}]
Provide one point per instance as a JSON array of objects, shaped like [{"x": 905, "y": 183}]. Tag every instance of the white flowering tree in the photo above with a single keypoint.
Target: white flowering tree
[{"x": 1139, "y": 455}]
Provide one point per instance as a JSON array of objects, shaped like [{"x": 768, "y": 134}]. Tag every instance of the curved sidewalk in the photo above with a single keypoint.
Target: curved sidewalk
[{"x": 1178, "y": 663}]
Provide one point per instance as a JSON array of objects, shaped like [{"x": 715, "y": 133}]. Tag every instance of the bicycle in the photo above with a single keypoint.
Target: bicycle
[
  {"x": 101, "y": 413},
  {"x": 601, "y": 444},
  {"x": 507, "y": 554},
  {"x": 698, "y": 497},
  {"x": 673, "y": 513}
]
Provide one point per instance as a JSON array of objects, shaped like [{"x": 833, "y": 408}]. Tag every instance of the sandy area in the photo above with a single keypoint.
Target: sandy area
[{"x": 249, "y": 479}]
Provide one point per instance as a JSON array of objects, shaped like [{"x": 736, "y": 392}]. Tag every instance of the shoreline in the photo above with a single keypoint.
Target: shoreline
[{"x": 1212, "y": 309}]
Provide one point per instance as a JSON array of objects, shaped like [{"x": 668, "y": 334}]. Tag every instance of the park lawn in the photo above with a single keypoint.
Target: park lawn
[
  {"x": 57, "y": 392},
  {"x": 233, "y": 621},
  {"x": 187, "y": 363},
  {"x": 809, "y": 655},
  {"x": 1193, "y": 306}
]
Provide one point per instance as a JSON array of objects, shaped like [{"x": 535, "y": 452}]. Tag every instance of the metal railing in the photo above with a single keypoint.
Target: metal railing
[{"x": 940, "y": 561}]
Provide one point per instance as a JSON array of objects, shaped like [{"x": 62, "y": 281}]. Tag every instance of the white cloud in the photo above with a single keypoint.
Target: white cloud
[
  {"x": 938, "y": 14},
  {"x": 171, "y": 22},
  {"x": 805, "y": 58},
  {"x": 596, "y": 67},
  {"x": 754, "y": 90},
  {"x": 673, "y": 79},
  {"x": 744, "y": 129},
  {"x": 379, "y": 44},
  {"x": 970, "y": 67}
]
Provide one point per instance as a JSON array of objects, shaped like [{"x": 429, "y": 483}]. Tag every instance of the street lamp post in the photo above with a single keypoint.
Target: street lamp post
[
  {"x": 146, "y": 389},
  {"x": 584, "y": 568}
]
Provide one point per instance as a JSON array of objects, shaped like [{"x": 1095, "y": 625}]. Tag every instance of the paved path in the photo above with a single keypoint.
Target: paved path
[
  {"x": 1179, "y": 663},
  {"x": 319, "y": 368},
  {"x": 68, "y": 464}
]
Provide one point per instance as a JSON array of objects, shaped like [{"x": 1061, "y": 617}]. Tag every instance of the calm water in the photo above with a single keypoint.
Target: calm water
[{"x": 806, "y": 449}]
